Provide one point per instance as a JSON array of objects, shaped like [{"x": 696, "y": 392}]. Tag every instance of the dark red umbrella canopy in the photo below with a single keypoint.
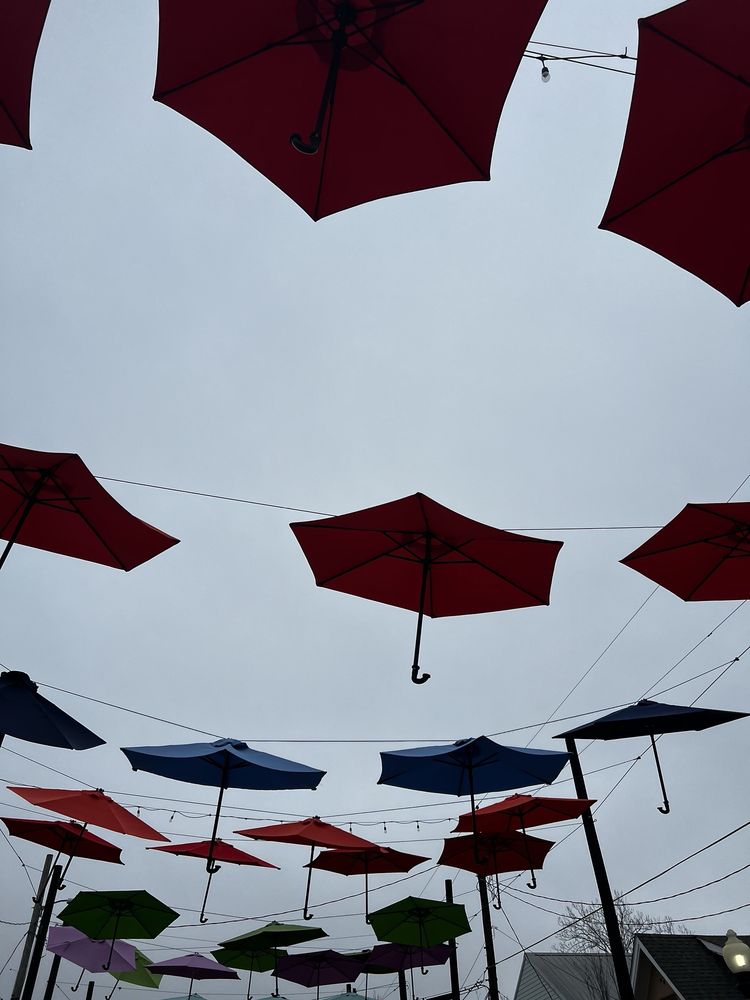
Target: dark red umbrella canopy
[
  {"x": 89, "y": 806},
  {"x": 21, "y": 26},
  {"x": 494, "y": 853},
  {"x": 221, "y": 852},
  {"x": 51, "y": 501},
  {"x": 418, "y": 88},
  {"x": 64, "y": 837},
  {"x": 681, "y": 187},
  {"x": 374, "y": 860},
  {"x": 519, "y": 812},
  {"x": 703, "y": 554}
]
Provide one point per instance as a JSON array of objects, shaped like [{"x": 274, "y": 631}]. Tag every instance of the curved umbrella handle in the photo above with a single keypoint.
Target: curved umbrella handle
[
  {"x": 107, "y": 964},
  {"x": 415, "y": 678},
  {"x": 532, "y": 883},
  {"x": 306, "y": 915},
  {"x": 73, "y": 989}
]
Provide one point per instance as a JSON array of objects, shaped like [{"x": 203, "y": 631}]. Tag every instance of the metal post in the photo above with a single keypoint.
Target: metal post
[
  {"x": 402, "y": 986},
  {"x": 493, "y": 988},
  {"x": 52, "y": 980},
  {"x": 619, "y": 958},
  {"x": 90, "y": 989},
  {"x": 41, "y": 934},
  {"x": 452, "y": 960},
  {"x": 38, "y": 900}
]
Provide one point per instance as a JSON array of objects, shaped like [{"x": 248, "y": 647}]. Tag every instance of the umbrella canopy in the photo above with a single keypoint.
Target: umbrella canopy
[
  {"x": 373, "y": 860},
  {"x": 681, "y": 187},
  {"x": 499, "y": 852},
  {"x": 649, "y": 718},
  {"x": 703, "y": 554},
  {"x": 65, "y": 838},
  {"x": 223, "y": 764},
  {"x": 416, "y": 554},
  {"x": 27, "y": 715},
  {"x": 399, "y": 957},
  {"x": 244, "y": 954},
  {"x": 22, "y": 25},
  {"x": 193, "y": 966},
  {"x": 90, "y": 806},
  {"x": 75, "y": 947},
  {"x": 312, "y": 832},
  {"x": 418, "y": 91},
  {"x": 318, "y": 968},
  {"x": 130, "y": 913},
  {"x": 520, "y": 811},
  {"x": 420, "y": 923},
  {"x": 140, "y": 976},
  {"x": 221, "y": 852},
  {"x": 273, "y": 935},
  {"x": 51, "y": 501}
]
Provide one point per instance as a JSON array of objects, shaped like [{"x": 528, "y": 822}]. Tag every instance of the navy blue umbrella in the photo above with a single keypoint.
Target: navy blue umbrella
[
  {"x": 470, "y": 767},
  {"x": 26, "y": 715},
  {"x": 223, "y": 764},
  {"x": 649, "y": 718}
]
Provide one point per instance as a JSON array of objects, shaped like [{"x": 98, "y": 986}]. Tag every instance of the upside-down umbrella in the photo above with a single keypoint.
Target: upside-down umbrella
[
  {"x": 131, "y": 913},
  {"x": 420, "y": 923},
  {"x": 470, "y": 767},
  {"x": 492, "y": 853},
  {"x": 51, "y": 501},
  {"x": 416, "y": 554},
  {"x": 270, "y": 939},
  {"x": 649, "y": 718},
  {"x": 71, "y": 839},
  {"x": 91, "y": 807},
  {"x": 681, "y": 187},
  {"x": 220, "y": 851},
  {"x": 27, "y": 715},
  {"x": 21, "y": 27},
  {"x": 312, "y": 833},
  {"x": 224, "y": 764},
  {"x": 90, "y": 955},
  {"x": 702, "y": 554},
  {"x": 247, "y": 958},
  {"x": 318, "y": 968},
  {"x": 368, "y": 861},
  {"x": 192, "y": 967},
  {"x": 385, "y": 96}
]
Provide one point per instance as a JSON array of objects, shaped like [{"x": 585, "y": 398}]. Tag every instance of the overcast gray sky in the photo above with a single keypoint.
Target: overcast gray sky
[{"x": 175, "y": 319}]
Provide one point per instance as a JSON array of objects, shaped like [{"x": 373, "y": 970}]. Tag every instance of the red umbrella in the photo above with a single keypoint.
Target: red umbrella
[
  {"x": 703, "y": 554},
  {"x": 492, "y": 853},
  {"x": 372, "y": 860},
  {"x": 92, "y": 807},
  {"x": 51, "y": 501},
  {"x": 681, "y": 187},
  {"x": 218, "y": 850},
  {"x": 418, "y": 89},
  {"x": 20, "y": 30},
  {"x": 312, "y": 833},
  {"x": 65, "y": 838},
  {"x": 416, "y": 554}
]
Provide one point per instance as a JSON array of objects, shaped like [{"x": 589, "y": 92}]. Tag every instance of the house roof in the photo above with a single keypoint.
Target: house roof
[
  {"x": 697, "y": 972},
  {"x": 564, "y": 976}
]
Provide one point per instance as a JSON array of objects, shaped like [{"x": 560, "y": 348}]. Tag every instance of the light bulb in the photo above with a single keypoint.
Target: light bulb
[
  {"x": 736, "y": 953},
  {"x": 545, "y": 72}
]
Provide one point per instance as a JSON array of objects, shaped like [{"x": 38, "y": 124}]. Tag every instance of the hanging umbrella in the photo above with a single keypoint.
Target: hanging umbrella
[
  {"x": 193, "y": 967},
  {"x": 91, "y": 806},
  {"x": 22, "y": 25},
  {"x": 416, "y": 554},
  {"x": 219, "y": 851},
  {"x": 703, "y": 554},
  {"x": 681, "y": 187},
  {"x": 71, "y": 839},
  {"x": 491, "y": 853},
  {"x": 239, "y": 956},
  {"x": 373, "y": 860},
  {"x": 90, "y": 955},
  {"x": 27, "y": 715},
  {"x": 141, "y": 975},
  {"x": 389, "y": 958},
  {"x": 418, "y": 91},
  {"x": 51, "y": 501},
  {"x": 648, "y": 718},
  {"x": 473, "y": 767},
  {"x": 268, "y": 939},
  {"x": 318, "y": 968},
  {"x": 312, "y": 833},
  {"x": 420, "y": 923},
  {"x": 223, "y": 764},
  {"x": 131, "y": 913}
]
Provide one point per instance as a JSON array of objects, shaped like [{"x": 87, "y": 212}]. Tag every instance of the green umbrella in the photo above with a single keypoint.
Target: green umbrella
[
  {"x": 420, "y": 923},
  {"x": 267, "y": 940},
  {"x": 140, "y": 976},
  {"x": 243, "y": 953},
  {"x": 125, "y": 913}
]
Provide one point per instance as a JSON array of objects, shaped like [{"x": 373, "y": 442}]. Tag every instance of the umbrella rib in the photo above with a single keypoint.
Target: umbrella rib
[
  {"x": 366, "y": 562},
  {"x": 698, "y": 55},
  {"x": 24, "y": 138},
  {"x": 494, "y": 572},
  {"x": 714, "y": 569},
  {"x": 90, "y": 526},
  {"x": 707, "y": 540},
  {"x": 741, "y": 297},
  {"x": 324, "y": 158}
]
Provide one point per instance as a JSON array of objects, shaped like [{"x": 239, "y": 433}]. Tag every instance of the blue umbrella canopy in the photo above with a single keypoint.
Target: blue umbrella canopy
[
  {"x": 27, "y": 715},
  {"x": 222, "y": 764}
]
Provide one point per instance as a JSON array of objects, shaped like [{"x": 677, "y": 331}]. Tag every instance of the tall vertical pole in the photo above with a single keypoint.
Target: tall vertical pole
[
  {"x": 38, "y": 900},
  {"x": 41, "y": 934},
  {"x": 452, "y": 959},
  {"x": 90, "y": 989},
  {"x": 489, "y": 944},
  {"x": 52, "y": 979},
  {"x": 619, "y": 958},
  {"x": 402, "y": 986}
]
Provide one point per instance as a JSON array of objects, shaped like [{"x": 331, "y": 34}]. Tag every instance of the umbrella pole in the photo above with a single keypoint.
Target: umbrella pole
[
  {"x": 41, "y": 934},
  {"x": 249, "y": 981},
  {"x": 190, "y": 989},
  {"x": 211, "y": 867},
  {"x": 665, "y": 808},
  {"x": 498, "y": 905},
  {"x": 493, "y": 989},
  {"x": 305, "y": 912},
  {"x": 474, "y": 831},
  {"x": 422, "y": 598},
  {"x": 107, "y": 964},
  {"x": 78, "y": 840},
  {"x": 367, "y": 901},
  {"x": 452, "y": 958},
  {"x": 30, "y": 501},
  {"x": 532, "y": 883},
  {"x": 73, "y": 989},
  {"x": 339, "y": 39}
]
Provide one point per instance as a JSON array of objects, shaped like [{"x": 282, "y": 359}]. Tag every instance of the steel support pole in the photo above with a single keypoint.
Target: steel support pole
[
  {"x": 41, "y": 934},
  {"x": 452, "y": 959},
  {"x": 493, "y": 989},
  {"x": 31, "y": 933},
  {"x": 90, "y": 989},
  {"x": 52, "y": 978},
  {"x": 402, "y": 995},
  {"x": 619, "y": 958}
]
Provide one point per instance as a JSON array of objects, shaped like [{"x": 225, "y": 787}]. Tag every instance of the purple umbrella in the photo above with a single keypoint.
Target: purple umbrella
[
  {"x": 318, "y": 968},
  {"x": 90, "y": 955},
  {"x": 192, "y": 967}
]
